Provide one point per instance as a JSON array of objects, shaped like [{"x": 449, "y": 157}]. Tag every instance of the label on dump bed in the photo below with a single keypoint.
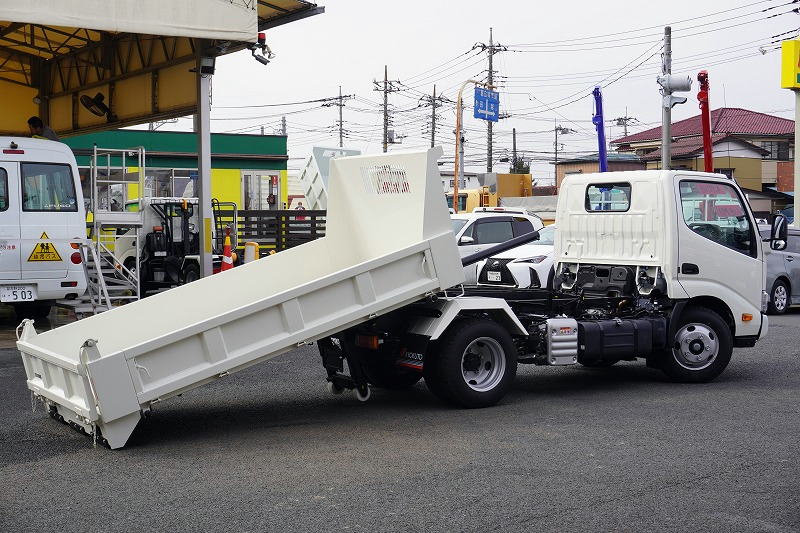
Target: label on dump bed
[{"x": 44, "y": 251}]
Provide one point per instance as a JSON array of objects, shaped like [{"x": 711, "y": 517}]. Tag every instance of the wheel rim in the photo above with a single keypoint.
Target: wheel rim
[
  {"x": 483, "y": 364},
  {"x": 696, "y": 346},
  {"x": 779, "y": 297}
]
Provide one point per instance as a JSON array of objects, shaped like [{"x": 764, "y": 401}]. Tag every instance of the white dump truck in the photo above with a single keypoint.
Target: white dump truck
[{"x": 664, "y": 266}]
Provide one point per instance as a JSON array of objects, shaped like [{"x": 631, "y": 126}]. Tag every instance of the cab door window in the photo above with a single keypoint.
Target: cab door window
[{"x": 715, "y": 211}]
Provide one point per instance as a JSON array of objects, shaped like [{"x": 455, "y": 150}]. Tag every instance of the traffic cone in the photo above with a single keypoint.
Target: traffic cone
[{"x": 227, "y": 259}]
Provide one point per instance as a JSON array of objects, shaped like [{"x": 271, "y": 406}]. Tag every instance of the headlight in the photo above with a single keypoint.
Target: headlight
[
  {"x": 536, "y": 259},
  {"x": 764, "y": 301}
]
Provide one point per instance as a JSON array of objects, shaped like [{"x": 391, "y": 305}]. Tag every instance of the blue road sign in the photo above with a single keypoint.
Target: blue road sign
[{"x": 487, "y": 104}]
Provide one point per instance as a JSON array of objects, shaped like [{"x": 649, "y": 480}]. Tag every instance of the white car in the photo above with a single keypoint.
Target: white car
[
  {"x": 487, "y": 226},
  {"x": 529, "y": 265}
]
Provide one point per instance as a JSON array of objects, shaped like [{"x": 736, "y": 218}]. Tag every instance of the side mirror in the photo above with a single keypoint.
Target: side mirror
[
  {"x": 466, "y": 239},
  {"x": 779, "y": 234}
]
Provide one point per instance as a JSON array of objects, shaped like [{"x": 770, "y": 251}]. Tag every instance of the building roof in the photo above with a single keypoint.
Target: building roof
[
  {"x": 612, "y": 157},
  {"x": 725, "y": 120},
  {"x": 689, "y": 146}
]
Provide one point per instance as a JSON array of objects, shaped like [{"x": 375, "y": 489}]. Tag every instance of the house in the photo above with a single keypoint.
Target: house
[
  {"x": 590, "y": 163},
  {"x": 748, "y": 146}
]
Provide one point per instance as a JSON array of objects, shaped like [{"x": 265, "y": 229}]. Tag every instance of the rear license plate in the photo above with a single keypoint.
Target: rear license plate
[
  {"x": 17, "y": 293},
  {"x": 492, "y": 276}
]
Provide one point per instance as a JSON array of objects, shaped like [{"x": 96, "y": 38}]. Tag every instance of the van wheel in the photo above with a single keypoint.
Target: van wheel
[
  {"x": 701, "y": 349},
  {"x": 779, "y": 298},
  {"x": 474, "y": 364},
  {"x": 191, "y": 272}
]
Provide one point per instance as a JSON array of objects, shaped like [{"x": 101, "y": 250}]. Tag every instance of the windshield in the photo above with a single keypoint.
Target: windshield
[
  {"x": 458, "y": 223},
  {"x": 546, "y": 235}
]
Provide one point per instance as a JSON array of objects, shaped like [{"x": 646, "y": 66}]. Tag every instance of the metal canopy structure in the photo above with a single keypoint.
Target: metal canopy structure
[
  {"x": 92, "y": 65},
  {"x": 138, "y": 55}
]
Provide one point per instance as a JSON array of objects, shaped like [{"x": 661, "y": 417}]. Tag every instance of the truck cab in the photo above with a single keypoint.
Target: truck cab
[
  {"x": 688, "y": 235},
  {"x": 42, "y": 224}
]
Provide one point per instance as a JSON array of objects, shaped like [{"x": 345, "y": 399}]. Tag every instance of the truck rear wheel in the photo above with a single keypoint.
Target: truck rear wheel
[
  {"x": 701, "y": 349},
  {"x": 473, "y": 365}
]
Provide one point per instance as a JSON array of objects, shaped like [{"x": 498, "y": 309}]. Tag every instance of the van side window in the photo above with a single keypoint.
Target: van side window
[
  {"x": 522, "y": 226},
  {"x": 48, "y": 187},
  {"x": 493, "y": 231},
  {"x": 715, "y": 211},
  {"x": 3, "y": 189}
]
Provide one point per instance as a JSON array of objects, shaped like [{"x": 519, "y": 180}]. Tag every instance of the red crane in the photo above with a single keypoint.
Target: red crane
[{"x": 705, "y": 113}]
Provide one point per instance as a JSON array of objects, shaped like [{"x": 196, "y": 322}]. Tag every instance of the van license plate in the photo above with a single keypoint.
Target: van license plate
[
  {"x": 492, "y": 276},
  {"x": 17, "y": 293}
]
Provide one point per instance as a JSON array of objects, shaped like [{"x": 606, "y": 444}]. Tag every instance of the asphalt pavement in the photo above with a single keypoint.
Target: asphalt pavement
[{"x": 571, "y": 449}]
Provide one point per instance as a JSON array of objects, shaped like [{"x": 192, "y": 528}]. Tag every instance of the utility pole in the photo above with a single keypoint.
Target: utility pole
[
  {"x": 491, "y": 49},
  {"x": 563, "y": 131},
  {"x": 435, "y": 102},
  {"x": 387, "y": 87},
  {"x": 669, "y": 84},
  {"x": 283, "y": 126},
  {"x": 514, "y": 150},
  {"x": 666, "y": 110},
  {"x": 624, "y": 121},
  {"x": 339, "y": 102},
  {"x": 341, "y": 122},
  {"x": 433, "y": 117}
]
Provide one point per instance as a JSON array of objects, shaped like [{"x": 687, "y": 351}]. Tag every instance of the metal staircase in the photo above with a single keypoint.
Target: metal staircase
[{"x": 113, "y": 232}]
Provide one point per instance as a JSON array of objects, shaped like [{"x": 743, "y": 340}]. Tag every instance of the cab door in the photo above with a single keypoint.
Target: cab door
[
  {"x": 9, "y": 221},
  {"x": 48, "y": 219},
  {"x": 719, "y": 249}
]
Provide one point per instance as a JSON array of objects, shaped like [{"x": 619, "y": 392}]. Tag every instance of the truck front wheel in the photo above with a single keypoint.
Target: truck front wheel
[
  {"x": 701, "y": 349},
  {"x": 473, "y": 365}
]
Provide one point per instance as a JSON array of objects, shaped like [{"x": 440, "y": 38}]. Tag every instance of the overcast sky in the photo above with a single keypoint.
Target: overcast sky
[{"x": 557, "y": 52}]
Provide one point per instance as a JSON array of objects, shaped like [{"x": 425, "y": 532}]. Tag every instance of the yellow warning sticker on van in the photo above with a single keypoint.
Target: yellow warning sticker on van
[{"x": 44, "y": 251}]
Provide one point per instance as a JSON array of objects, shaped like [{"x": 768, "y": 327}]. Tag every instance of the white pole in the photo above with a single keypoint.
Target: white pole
[{"x": 204, "y": 170}]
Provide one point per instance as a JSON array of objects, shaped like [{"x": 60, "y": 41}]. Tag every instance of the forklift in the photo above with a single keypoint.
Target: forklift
[{"x": 170, "y": 241}]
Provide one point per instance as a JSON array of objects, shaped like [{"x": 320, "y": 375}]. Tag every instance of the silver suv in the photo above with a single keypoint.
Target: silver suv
[{"x": 783, "y": 272}]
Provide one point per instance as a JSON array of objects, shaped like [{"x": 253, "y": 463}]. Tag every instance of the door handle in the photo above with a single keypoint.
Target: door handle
[
  {"x": 690, "y": 268},
  {"x": 789, "y": 258}
]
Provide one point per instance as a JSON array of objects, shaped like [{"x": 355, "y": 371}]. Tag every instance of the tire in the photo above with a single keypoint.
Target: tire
[
  {"x": 191, "y": 272},
  {"x": 779, "y": 298},
  {"x": 382, "y": 372},
  {"x": 473, "y": 364},
  {"x": 701, "y": 349}
]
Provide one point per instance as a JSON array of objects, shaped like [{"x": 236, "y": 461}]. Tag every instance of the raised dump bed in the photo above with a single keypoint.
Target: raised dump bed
[{"x": 388, "y": 243}]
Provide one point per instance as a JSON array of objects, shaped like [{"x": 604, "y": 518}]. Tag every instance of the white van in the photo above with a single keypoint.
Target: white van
[{"x": 42, "y": 223}]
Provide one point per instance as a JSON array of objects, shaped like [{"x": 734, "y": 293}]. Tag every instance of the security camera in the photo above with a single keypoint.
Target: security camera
[{"x": 261, "y": 44}]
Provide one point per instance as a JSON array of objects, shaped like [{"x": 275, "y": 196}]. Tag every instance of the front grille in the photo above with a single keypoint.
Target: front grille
[{"x": 497, "y": 265}]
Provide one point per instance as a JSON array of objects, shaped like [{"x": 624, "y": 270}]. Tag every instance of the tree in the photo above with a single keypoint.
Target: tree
[{"x": 519, "y": 166}]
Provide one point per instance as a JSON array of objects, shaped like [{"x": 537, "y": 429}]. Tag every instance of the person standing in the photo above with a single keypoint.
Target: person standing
[
  {"x": 40, "y": 131},
  {"x": 300, "y": 208}
]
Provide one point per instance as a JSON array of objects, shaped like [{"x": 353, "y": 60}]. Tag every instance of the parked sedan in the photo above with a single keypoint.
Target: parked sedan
[
  {"x": 783, "y": 273},
  {"x": 529, "y": 265}
]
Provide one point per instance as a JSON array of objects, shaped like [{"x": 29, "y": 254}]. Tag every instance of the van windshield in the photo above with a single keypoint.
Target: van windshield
[{"x": 48, "y": 187}]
